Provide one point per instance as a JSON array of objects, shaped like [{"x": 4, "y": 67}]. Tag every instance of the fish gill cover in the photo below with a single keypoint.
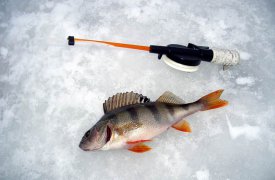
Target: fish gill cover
[{"x": 50, "y": 93}]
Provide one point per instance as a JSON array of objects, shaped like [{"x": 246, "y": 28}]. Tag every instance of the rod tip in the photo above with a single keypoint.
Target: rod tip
[{"x": 71, "y": 40}]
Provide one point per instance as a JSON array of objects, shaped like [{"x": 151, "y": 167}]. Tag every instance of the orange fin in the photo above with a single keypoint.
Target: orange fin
[
  {"x": 182, "y": 125},
  {"x": 212, "y": 100},
  {"x": 139, "y": 141},
  {"x": 140, "y": 148}
]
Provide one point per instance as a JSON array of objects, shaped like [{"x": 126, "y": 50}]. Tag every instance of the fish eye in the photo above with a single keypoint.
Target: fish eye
[{"x": 87, "y": 133}]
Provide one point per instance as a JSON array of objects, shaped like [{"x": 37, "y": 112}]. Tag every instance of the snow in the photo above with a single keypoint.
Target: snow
[
  {"x": 245, "y": 55},
  {"x": 202, "y": 174},
  {"x": 51, "y": 93},
  {"x": 4, "y": 52},
  {"x": 250, "y": 132},
  {"x": 248, "y": 81}
]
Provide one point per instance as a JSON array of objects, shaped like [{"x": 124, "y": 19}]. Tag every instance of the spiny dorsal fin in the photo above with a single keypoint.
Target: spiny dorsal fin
[
  {"x": 169, "y": 97},
  {"x": 123, "y": 99}
]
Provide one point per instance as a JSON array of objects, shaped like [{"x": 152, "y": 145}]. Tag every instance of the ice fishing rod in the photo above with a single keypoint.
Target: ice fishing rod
[{"x": 183, "y": 58}]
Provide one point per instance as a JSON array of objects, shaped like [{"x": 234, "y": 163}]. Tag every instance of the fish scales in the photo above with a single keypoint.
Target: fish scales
[
  {"x": 150, "y": 113},
  {"x": 133, "y": 113}
]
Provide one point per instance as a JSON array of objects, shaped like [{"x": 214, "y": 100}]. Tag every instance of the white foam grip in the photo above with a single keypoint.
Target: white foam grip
[{"x": 225, "y": 57}]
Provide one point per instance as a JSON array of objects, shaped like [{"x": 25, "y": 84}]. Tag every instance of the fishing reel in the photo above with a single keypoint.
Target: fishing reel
[
  {"x": 188, "y": 58},
  {"x": 183, "y": 58}
]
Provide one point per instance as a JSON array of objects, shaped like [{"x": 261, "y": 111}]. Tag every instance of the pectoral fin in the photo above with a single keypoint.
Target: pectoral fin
[
  {"x": 182, "y": 125},
  {"x": 140, "y": 148}
]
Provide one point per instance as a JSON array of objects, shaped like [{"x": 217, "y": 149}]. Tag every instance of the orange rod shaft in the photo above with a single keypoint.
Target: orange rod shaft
[{"x": 130, "y": 46}]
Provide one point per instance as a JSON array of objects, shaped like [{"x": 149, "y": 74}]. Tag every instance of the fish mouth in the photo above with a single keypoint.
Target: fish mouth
[
  {"x": 83, "y": 148},
  {"x": 87, "y": 149}
]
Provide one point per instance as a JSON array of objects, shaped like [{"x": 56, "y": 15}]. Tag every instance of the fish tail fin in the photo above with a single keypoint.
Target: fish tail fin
[{"x": 212, "y": 101}]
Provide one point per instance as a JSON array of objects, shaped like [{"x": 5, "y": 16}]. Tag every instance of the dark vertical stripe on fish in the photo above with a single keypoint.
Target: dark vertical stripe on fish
[
  {"x": 155, "y": 112},
  {"x": 113, "y": 117},
  {"x": 185, "y": 106},
  {"x": 133, "y": 114},
  {"x": 170, "y": 109}
]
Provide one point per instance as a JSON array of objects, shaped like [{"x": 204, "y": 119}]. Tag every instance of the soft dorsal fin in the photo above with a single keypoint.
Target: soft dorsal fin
[
  {"x": 123, "y": 99},
  {"x": 169, "y": 97}
]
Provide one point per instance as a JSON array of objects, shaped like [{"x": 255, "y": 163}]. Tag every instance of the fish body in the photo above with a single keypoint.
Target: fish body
[
  {"x": 144, "y": 121},
  {"x": 129, "y": 126}
]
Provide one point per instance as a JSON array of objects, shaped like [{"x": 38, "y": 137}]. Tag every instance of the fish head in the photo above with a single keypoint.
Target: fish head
[{"x": 96, "y": 137}]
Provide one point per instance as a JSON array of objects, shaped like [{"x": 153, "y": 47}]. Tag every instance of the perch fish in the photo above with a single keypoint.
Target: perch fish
[{"x": 131, "y": 120}]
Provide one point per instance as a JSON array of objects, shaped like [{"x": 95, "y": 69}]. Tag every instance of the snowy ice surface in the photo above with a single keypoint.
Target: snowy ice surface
[{"x": 51, "y": 93}]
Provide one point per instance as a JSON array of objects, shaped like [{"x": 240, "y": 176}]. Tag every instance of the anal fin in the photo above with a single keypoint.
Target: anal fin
[
  {"x": 140, "y": 148},
  {"x": 182, "y": 125}
]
